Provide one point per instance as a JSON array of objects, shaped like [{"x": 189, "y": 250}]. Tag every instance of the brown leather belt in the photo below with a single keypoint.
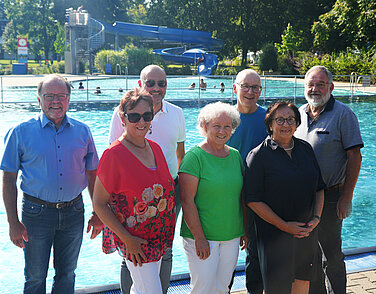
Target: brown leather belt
[
  {"x": 335, "y": 188},
  {"x": 58, "y": 205}
]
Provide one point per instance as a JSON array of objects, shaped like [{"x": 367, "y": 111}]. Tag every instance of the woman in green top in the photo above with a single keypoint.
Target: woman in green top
[{"x": 211, "y": 180}]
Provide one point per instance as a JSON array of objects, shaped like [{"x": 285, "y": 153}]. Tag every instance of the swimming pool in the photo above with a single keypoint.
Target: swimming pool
[
  {"x": 177, "y": 89},
  {"x": 96, "y": 268}
]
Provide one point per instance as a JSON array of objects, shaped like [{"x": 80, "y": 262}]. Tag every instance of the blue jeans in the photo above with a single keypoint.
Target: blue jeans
[
  {"x": 47, "y": 227},
  {"x": 166, "y": 265}
]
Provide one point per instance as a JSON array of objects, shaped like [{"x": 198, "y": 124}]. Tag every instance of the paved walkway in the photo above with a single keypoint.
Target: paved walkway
[
  {"x": 357, "y": 283},
  {"x": 33, "y": 80}
]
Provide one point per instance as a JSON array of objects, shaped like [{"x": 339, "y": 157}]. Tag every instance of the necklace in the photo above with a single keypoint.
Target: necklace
[
  {"x": 290, "y": 148},
  {"x": 133, "y": 144}
]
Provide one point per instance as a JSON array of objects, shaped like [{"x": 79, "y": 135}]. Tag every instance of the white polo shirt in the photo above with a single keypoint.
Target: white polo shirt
[{"x": 168, "y": 129}]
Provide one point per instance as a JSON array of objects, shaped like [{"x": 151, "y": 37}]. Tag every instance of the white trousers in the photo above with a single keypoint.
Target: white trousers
[
  {"x": 212, "y": 275},
  {"x": 145, "y": 278}
]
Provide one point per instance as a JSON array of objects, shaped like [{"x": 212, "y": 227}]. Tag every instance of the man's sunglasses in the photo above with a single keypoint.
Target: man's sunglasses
[
  {"x": 135, "y": 117},
  {"x": 151, "y": 83}
]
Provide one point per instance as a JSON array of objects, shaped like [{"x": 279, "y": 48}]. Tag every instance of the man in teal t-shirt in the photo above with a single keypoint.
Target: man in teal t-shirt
[{"x": 250, "y": 133}]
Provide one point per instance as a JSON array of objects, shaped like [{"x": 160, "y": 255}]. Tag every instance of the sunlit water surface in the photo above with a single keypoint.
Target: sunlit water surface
[{"x": 96, "y": 268}]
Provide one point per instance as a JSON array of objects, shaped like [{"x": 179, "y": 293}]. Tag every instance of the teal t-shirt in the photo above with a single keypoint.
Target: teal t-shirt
[{"x": 218, "y": 193}]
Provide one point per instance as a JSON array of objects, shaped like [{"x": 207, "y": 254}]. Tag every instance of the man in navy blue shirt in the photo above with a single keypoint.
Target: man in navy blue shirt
[
  {"x": 58, "y": 160},
  {"x": 250, "y": 133}
]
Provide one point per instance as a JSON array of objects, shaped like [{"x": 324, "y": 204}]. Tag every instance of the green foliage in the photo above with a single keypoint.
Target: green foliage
[
  {"x": 132, "y": 57},
  {"x": 185, "y": 69},
  {"x": 10, "y": 37},
  {"x": 104, "y": 57},
  {"x": 227, "y": 71},
  {"x": 291, "y": 42},
  {"x": 351, "y": 23},
  {"x": 138, "y": 58},
  {"x": 34, "y": 19},
  {"x": 268, "y": 58},
  {"x": 343, "y": 63},
  {"x": 58, "y": 67},
  {"x": 59, "y": 43}
]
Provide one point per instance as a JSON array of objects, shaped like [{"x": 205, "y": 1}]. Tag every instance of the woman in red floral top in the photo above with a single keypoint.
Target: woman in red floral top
[{"x": 134, "y": 196}]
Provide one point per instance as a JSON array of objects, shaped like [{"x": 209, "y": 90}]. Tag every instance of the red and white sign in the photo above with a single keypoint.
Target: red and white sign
[
  {"x": 22, "y": 49},
  {"x": 22, "y": 42}
]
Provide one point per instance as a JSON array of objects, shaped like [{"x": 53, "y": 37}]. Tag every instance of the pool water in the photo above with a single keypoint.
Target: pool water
[
  {"x": 96, "y": 268},
  {"x": 177, "y": 89}
]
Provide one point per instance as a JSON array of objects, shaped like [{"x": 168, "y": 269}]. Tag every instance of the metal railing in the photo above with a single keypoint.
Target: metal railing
[{"x": 17, "y": 94}]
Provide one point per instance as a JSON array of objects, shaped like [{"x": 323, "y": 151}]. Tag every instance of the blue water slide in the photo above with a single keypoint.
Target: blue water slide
[
  {"x": 206, "y": 62},
  {"x": 169, "y": 34}
]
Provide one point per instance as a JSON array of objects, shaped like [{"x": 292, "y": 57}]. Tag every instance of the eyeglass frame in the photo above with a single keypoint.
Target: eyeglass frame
[
  {"x": 139, "y": 115},
  {"x": 246, "y": 88},
  {"x": 151, "y": 83},
  {"x": 293, "y": 118},
  {"x": 66, "y": 95},
  {"x": 320, "y": 85}
]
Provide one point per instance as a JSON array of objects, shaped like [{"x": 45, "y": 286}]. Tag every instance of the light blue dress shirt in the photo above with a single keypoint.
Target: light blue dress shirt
[{"x": 53, "y": 162}]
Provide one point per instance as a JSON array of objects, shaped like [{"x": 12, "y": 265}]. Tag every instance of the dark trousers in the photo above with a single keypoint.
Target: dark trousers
[
  {"x": 253, "y": 278},
  {"x": 330, "y": 229}
]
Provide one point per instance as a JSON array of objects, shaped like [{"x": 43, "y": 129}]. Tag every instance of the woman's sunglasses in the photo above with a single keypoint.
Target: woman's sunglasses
[
  {"x": 135, "y": 117},
  {"x": 151, "y": 83}
]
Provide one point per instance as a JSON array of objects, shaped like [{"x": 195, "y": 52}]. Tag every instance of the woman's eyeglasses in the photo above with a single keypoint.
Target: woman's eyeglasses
[
  {"x": 135, "y": 117},
  {"x": 151, "y": 83},
  {"x": 280, "y": 120}
]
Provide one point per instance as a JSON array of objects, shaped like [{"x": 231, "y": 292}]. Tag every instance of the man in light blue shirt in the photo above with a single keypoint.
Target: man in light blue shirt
[{"x": 58, "y": 160}]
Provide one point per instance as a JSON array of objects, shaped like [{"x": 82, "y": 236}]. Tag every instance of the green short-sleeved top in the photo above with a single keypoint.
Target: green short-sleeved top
[{"x": 218, "y": 193}]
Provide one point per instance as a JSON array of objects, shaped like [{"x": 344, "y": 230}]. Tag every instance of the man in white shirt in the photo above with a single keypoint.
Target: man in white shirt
[{"x": 168, "y": 130}]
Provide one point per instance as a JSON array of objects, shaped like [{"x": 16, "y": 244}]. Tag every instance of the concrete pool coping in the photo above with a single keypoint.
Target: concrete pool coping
[{"x": 33, "y": 80}]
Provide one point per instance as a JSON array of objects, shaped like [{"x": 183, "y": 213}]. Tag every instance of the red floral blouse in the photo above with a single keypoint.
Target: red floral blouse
[{"x": 142, "y": 199}]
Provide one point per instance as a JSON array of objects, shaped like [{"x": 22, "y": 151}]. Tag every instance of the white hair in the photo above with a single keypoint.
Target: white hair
[
  {"x": 322, "y": 68},
  {"x": 213, "y": 110}
]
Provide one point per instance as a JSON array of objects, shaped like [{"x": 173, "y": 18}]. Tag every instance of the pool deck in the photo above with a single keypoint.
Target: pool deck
[
  {"x": 357, "y": 283},
  {"x": 33, "y": 80}
]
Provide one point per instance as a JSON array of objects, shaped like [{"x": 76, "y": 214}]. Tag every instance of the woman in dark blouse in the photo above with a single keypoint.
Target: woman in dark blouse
[{"x": 283, "y": 186}]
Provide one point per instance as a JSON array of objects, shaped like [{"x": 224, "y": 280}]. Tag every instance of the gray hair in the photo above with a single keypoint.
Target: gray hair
[
  {"x": 54, "y": 77},
  {"x": 322, "y": 68},
  {"x": 214, "y": 110}
]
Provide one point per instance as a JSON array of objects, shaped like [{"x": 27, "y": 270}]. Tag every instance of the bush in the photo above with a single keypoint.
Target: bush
[
  {"x": 227, "y": 70},
  {"x": 133, "y": 58},
  {"x": 58, "y": 67},
  {"x": 185, "y": 69},
  {"x": 343, "y": 63},
  {"x": 268, "y": 58}
]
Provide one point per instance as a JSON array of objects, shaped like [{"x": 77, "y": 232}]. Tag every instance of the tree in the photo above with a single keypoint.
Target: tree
[
  {"x": 59, "y": 43},
  {"x": 10, "y": 37},
  {"x": 34, "y": 19},
  {"x": 291, "y": 42},
  {"x": 351, "y": 23},
  {"x": 243, "y": 24}
]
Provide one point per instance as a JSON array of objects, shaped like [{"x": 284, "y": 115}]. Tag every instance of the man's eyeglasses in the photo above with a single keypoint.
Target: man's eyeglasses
[
  {"x": 246, "y": 88},
  {"x": 280, "y": 120},
  {"x": 59, "y": 97},
  {"x": 320, "y": 85},
  {"x": 135, "y": 117},
  {"x": 151, "y": 83}
]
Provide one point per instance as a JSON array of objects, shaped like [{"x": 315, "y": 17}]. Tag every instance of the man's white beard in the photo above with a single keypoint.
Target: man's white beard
[{"x": 318, "y": 102}]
